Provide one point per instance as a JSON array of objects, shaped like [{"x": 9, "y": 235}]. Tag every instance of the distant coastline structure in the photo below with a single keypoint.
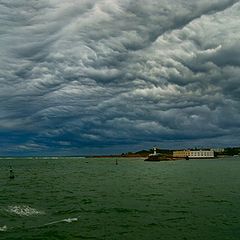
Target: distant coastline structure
[
  {"x": 218, "y": 150},
  {"x": 154, "y": 152},
  {"x": 193, "y": 154},
  {"x": 161, "y": 155},
  {"x": 181, "y": 153}
]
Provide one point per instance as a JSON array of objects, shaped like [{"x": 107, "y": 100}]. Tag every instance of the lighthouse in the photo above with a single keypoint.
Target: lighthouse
[{"x": 154, "y": 151}]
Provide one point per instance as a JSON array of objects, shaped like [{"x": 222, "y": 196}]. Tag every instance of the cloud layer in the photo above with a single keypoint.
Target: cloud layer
[{"x": 94, "y": 76}]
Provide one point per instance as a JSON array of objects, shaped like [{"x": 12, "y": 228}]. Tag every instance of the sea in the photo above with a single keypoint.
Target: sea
[{"x": 95, "y": 198}]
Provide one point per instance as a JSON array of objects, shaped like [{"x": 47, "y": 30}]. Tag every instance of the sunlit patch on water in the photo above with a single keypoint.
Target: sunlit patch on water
[{"x": 24, "y": 210}]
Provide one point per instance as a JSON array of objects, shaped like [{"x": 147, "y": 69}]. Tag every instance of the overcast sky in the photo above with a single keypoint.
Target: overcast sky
[{"x": 111, "y": 76}]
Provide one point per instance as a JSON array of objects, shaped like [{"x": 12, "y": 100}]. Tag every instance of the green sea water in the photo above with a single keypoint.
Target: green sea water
[{"x": 77, "y": 198}]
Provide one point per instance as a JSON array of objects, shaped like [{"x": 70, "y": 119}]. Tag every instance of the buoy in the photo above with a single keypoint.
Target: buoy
[{"x": 11, "y": 173}]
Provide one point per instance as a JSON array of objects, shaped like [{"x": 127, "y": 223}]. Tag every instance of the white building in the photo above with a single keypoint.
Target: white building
[
  {"x": 201, "y": 154},
  {"x": 194, "y": 154}
]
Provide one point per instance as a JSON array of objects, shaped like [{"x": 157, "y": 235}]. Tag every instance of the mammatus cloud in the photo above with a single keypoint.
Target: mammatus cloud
[{"x": 81, "y": 77}]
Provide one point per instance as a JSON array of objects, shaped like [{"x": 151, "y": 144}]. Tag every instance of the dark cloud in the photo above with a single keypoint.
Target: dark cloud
[{"x": 95, "y": 76}]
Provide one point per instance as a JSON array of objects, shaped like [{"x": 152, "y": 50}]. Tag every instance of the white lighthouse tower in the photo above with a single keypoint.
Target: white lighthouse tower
[{"x": 154, "y": 151}]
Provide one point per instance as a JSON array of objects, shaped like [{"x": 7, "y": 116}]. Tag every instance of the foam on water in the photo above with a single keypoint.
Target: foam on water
[
  {"x": 24, "y": 210},
  {"x": 3, "y": 228},
  {"x": 67, "y": 220}
]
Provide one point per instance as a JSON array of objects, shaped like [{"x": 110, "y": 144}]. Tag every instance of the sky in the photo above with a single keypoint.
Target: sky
[{"x": 90, "y": 77}]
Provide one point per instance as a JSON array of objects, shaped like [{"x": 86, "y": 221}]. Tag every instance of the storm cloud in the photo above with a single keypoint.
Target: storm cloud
[{"x": 106, "y": 76}]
